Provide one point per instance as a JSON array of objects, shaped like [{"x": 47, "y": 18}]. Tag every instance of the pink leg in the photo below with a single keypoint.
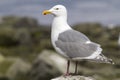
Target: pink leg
[
  {"x": 68, "y": 64},
  {"x": 76, "y": 67}
]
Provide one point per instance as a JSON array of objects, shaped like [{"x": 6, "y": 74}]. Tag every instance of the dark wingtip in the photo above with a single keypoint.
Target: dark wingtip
[{"x": 110, "y": 61}]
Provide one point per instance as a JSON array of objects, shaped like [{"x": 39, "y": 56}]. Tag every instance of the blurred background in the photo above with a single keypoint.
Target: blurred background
[{"x": 26, "y": 52}]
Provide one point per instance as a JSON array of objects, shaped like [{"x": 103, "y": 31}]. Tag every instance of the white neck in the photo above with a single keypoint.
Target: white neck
[{"x": 59, "y": 25}]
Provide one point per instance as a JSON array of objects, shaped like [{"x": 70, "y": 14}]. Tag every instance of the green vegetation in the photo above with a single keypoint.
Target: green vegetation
[
  {"x": 4, "y": 66},
  {"x": 24, "y": 37}
]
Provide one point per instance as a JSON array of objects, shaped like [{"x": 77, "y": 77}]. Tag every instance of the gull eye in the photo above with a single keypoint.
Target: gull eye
[{"x": 56, "y": 8}]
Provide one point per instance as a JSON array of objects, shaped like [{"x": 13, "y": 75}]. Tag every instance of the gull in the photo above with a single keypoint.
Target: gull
[{"x": 70, "y": 43}]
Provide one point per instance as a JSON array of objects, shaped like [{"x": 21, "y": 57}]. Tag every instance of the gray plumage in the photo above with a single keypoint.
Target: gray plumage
[
  {"x": 73, "y": 43},
  {"x": 72, "y": 36},
  {"x": 102, "y": 59},
  {"x": 70, "y": 43}
]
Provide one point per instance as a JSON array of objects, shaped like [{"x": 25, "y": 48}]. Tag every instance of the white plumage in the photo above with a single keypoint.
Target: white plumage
[{"x": 70, "y": 43}]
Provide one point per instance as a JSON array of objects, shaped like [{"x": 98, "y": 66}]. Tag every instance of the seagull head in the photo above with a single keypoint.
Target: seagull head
[{"x": 58, "y": 10}]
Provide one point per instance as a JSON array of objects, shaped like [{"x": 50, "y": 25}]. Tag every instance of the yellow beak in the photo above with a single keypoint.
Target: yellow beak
[{"x": 45, "y": 12}]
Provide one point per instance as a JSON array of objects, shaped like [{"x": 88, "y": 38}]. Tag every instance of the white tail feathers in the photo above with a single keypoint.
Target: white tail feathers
[{"x": 102, "y": 59}]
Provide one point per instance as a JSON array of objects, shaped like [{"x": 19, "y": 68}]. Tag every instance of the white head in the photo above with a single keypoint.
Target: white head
[{"x": 58, "y": 10}]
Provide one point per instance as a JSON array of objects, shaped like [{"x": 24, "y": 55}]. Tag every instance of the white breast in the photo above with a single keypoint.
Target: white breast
[{"x": 58, "y": 26}]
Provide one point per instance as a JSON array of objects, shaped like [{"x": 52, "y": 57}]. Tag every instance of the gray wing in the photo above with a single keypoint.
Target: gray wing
[
  {"x": 74, "y": 44},
  {"x": 72, "y": 36}
]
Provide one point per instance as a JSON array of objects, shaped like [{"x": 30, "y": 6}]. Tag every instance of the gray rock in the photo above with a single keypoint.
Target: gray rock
[
  {"x": 19, "y": 66},
  {"x": 55, "y": 60},
  {"x": 10, "y": 67},
  {"x": 49, "y": 65},
  {"x": 1, "y": 57},
  {"x": 43, "y": 67},
  {"x": 77, "y": 77}
]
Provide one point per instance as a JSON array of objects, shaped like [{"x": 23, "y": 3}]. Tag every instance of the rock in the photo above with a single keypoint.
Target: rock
[
  {"x": 49, "y": 65},
  {"x": 77, "y": 77},
  {"x": 1, "y": 58},
  {"x": 19, "y": 66},
  {"x": 4, "y": 78},
  {"x": 43, "y": 67},
  {"x": 55, "y": 60},
  {"x": 10, "y": 67},
  {"x": 4, "y": 67}
]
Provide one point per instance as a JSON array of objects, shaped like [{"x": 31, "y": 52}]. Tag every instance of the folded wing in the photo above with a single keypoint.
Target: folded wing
[{"x": 76, "y": 45}]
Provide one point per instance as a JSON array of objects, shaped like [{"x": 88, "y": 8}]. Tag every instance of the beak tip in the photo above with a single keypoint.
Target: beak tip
[{"x": 45, "y": 12}]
